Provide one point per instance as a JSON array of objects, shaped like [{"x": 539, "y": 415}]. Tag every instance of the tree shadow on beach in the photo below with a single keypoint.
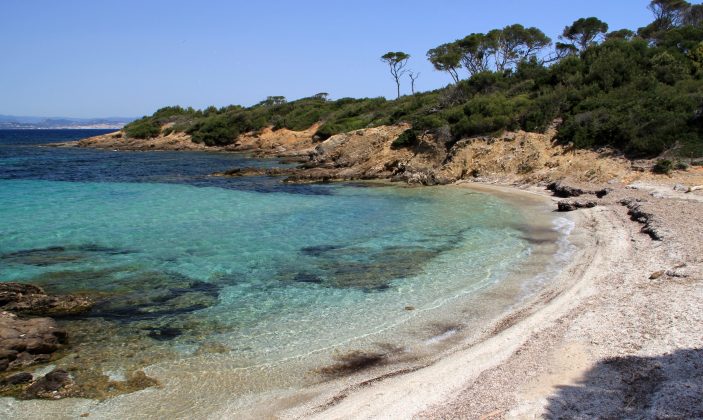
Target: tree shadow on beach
[{"x": 668, "y": 386}]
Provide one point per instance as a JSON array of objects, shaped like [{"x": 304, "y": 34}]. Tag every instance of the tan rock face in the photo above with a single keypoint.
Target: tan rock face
[
  {"x": 280, "y": 141},
  {"x": 529, "y": 157}
]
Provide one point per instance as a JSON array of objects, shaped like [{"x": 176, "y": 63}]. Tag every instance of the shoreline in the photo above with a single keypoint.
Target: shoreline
[
  {"x": 445, "y": 342},
  {"x": 401, "y": 394},
  {"x": 524, "y": 370}
]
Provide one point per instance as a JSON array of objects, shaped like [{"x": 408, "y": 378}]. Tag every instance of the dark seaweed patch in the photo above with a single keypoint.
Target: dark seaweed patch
[
  {"x": 41, "y": 257},
  {"x": 317, "y": 250},
  {"x": 352, "y": 362},
  {"x": 164, "y": 333},
  {"x": 52, "y": 255},
  {"x": 307, "y": 278}
]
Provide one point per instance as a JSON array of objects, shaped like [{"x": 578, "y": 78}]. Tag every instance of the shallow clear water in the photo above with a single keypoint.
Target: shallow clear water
[{"x": 265, "y": 270}]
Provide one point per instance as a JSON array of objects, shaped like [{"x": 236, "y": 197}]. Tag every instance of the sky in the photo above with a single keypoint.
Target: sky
[{"x": 88, "y": 58}]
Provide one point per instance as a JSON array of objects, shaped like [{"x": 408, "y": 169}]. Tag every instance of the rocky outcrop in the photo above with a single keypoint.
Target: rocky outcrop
[
  {"x": 26, "y": 299},
  {"x": 639, "y": 214},
  {"x": 510, "y": 157},
  {"x": 361, "y": 155},
  {"x": 563, "y": 190},
  {"x": 26, "y": 342},
  {"x": 571, "y": 205}
]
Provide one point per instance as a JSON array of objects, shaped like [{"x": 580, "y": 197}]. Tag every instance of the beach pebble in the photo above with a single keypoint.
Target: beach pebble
[{"x": 656, "y": 274}]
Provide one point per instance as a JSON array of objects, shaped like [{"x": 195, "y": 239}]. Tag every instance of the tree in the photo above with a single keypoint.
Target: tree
[
  {"x": 273, "y": 100},
  {"x": 669, "y": 13},
  {"x": 584, "y": 32},
  {"x": 694, "y": 16},
  {"x": 446, "y": 57},
  {"x": 625, "y": 34},
  {"x": 515, "y": 43},
  {"x": 413, "y": 77},
  {"x": 561, "y": 50},
  {"x": 476, "y": 52},
  {"x": 397, "y": 61}
]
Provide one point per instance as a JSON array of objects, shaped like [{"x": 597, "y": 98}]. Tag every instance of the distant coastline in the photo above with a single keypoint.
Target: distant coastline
[{"x": 12, "y": 122}]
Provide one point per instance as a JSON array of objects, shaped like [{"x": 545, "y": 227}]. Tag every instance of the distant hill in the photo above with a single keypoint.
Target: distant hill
[{"x": 38, "y": 123}]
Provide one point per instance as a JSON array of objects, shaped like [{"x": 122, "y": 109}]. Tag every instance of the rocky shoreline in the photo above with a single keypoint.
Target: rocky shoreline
[
  {"x": 28, "y": 337},
  {"x": 511, "y": 158}
]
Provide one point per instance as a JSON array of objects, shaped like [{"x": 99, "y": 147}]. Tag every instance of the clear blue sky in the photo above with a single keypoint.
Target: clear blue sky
[{"x": 98, "y": 58}]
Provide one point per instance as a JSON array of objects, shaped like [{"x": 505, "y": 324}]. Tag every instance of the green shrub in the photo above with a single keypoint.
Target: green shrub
[
  {"x": 215, "y": 130},
  {"x": 680, "y": 166},
  {"x": 663, "y": 166},
  {"x": 406, "y": 139},
  {"x": 143, "y": 128},
  {"x": 489, "y": 115},
  {"x": 345, "y": 125}
]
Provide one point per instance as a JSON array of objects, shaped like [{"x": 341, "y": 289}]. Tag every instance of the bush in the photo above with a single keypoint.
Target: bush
[
  {"x": 488, "y": 115},
  {"x": 680, "y": 166},
  {"x": 406, "y": 139},
  {"x": 663, "y": 166},
  {"x": 143, "y": 128},
  {"x": 345, "y": 125},
  {"x": 216, "y": 130}
]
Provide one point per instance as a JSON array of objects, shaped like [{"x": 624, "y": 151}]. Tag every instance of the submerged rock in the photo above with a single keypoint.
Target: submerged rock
[
  {"x": 307, "y": 278},
  {"x": 17, "y": 379},
  {"x": 54, "y": 385},
  {"x": 147, "y": 296},
  {"x": 27, "y": 299},
  {"x": 367, "y": 269},
  {"x": 165, "y": 333}
]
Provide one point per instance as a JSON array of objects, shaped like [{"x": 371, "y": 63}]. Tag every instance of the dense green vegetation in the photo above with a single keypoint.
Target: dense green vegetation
[{"x": 638, "y": 92}]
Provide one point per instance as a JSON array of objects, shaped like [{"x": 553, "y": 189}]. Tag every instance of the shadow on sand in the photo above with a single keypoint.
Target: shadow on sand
[{"x": 668, "y": 386}]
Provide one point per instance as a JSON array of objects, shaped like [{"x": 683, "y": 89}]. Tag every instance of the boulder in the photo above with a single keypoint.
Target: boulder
[
  {"x": 571, "y": 205},
  {"x": 681, "y": 188},
  {"x": 26, "y": 342},
  {"x": 54, "y": 385},
  {"x": 564, "y": 191}
]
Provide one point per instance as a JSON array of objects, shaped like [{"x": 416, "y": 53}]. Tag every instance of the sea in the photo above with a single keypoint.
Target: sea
[{"x": 235, "y": 292}]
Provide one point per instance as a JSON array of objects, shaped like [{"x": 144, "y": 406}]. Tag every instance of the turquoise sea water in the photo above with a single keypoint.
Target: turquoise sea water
[{"x": 262, "y": 270}]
